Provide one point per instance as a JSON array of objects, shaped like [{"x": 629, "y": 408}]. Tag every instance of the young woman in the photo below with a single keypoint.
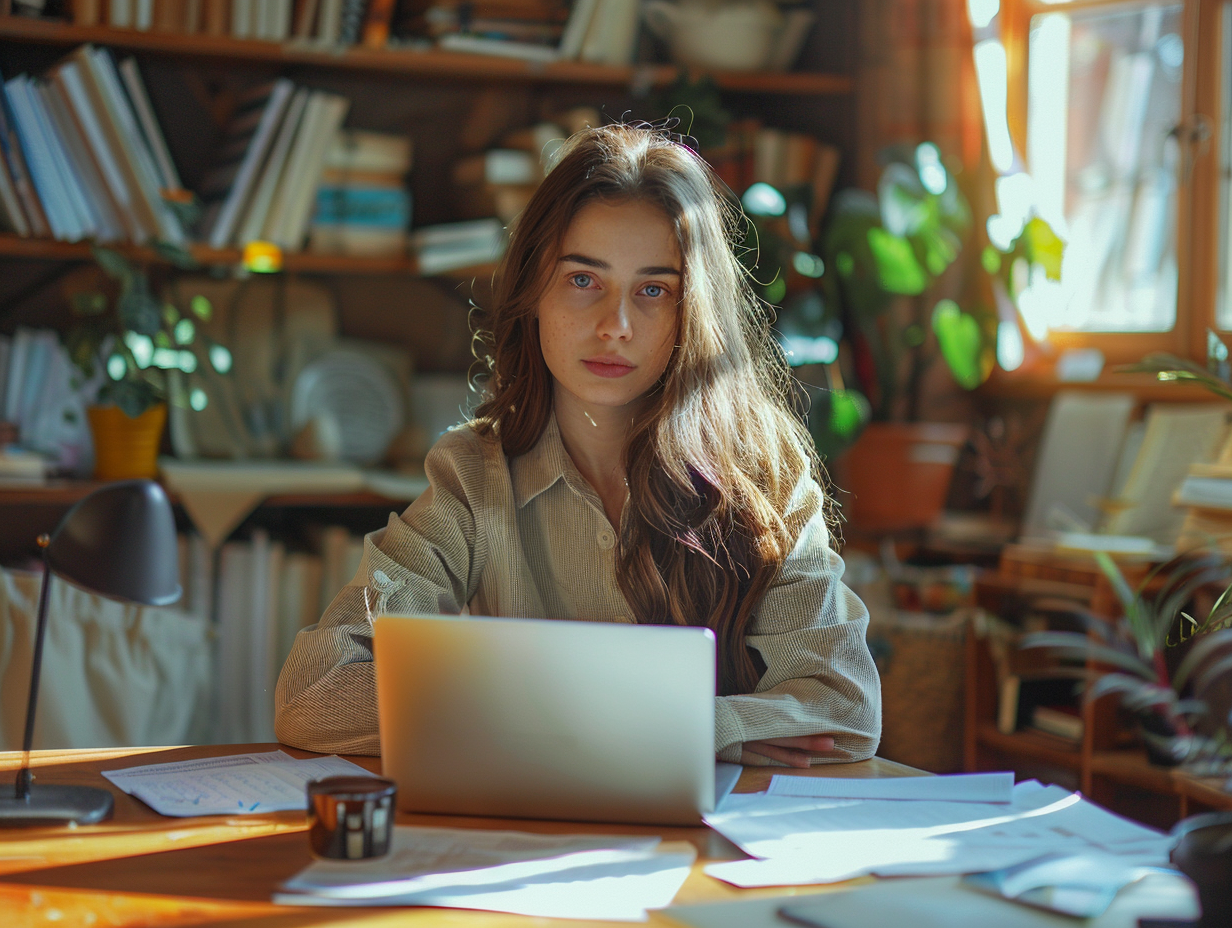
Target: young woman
[{"x": 635, "y": 460}]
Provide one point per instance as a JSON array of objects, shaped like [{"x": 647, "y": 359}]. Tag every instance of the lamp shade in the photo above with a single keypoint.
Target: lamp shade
[{"x": 120, "y": 542}]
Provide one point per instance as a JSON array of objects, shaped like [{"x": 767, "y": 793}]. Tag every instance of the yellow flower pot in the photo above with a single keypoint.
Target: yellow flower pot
[{"x": 126, "y": 448}]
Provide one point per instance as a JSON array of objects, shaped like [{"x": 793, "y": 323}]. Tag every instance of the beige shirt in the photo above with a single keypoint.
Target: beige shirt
[{"x": 529, "y": 538}]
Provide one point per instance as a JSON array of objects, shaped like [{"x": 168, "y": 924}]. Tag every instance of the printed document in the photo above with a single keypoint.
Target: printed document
[
  {"x": 807, "y": 840},
  {"x": 562, "y": 876},
  {"x": 242, "y": 784},
  {"x": 959, "y": 787}
]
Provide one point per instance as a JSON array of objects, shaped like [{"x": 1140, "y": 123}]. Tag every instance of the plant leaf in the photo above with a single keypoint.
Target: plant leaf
[
  {"x": 114, "y": 264},
  {"x": 898, "y": 271},
  {"x": 1071, "y": 644}
]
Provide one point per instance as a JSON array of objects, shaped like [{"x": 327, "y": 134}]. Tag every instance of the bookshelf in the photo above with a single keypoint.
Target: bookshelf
[
  {"x": 1102, "y": 764},
  {"x": 302, "y": 262},
  {"x": 412, "y": 62},
  {"x": 436, "y": 97}
]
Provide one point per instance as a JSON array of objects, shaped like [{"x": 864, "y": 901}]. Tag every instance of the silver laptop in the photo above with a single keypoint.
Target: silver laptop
[{"x": 534, "y": 718}]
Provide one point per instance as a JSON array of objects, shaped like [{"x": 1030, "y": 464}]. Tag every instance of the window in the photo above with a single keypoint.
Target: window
[
  {"x": 1224, "y": 290},
  {"x": 1103, "y": 98},
  {"x": 1120, "y": 110}
]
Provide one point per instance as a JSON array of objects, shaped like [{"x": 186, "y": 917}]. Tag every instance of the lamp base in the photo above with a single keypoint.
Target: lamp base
[{"x": 55, "y": 805}]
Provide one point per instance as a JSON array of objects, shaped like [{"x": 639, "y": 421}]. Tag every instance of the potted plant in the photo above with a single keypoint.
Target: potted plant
[
  {"x": 141, "y": 344},
  {"x": 1173, "y": 696},
  {"x": 905, "y": 287}
]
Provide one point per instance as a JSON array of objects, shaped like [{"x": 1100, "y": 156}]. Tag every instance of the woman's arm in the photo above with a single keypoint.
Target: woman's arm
[
  {"x": 820, "y": 678},
  {"x": 428, "y": 560}
]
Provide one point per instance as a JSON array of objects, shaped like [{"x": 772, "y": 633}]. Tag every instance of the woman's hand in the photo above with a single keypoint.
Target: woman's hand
[{"x": 794, "y": 752}]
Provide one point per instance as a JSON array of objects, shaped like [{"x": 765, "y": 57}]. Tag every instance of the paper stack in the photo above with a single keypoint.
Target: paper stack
[
  {"x": 824, "y": 837},
  {"x": 550, "y": 876}
]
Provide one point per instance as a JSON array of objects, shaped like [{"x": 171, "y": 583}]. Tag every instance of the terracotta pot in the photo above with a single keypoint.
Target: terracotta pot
[
  {"x": 898, "y": 473},
  {"x": 126, "y": 448}
]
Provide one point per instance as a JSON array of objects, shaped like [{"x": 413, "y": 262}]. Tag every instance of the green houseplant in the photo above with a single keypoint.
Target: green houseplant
[
  {"x": 142, "y": 344},
  {"x": 1174, "y": 694}
]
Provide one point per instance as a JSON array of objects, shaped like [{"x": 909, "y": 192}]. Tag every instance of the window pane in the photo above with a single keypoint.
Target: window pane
[
  {"x": 1224, "y": 308},
  {"x": 1104, "y": 93}
]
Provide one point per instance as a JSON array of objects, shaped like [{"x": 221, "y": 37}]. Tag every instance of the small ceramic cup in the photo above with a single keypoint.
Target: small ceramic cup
[
  {"x": 1204, "y": 854},
  {"x": 350, "y": 818}
]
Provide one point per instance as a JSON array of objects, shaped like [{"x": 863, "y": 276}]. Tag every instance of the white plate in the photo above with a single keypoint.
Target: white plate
[{"x": 359, "y": 393}]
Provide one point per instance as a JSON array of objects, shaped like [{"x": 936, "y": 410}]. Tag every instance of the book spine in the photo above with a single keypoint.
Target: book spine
[
  {"x": 23, "y": 184},
  {"x": 39, "y": 161},
  {"x": 86, "y": 12},
  {"x": 376, "y": 23}
]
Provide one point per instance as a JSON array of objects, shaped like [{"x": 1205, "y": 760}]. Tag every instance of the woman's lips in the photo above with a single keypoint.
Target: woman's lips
[{"x": 608, "y": 367}]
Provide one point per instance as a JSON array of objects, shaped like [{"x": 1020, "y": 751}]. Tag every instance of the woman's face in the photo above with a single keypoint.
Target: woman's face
[{"x": 607, "y": 322}]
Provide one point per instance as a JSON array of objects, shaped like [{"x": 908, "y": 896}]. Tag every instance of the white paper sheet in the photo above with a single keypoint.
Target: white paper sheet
[
  {"x": 249, "y": 784},
  {"x": 961, "y": 787},
  {"x": 725, "y": 778},
  {"x": 125, "y": 778},
  {"x": 803, "y": 840},
  {"x": 938, "y": 903},
  {"x": 560, "y": 876}
]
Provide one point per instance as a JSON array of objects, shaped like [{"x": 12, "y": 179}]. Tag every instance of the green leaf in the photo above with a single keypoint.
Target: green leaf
[
  {"x": 1203, "y": 649},
  {"x": 201, "y": 307},
  {"x": 897, "y": 268},
  {"x": 140, "y": 312},
  {"x": 114, "y": 264},
  {"x": 177, "y": 255},
  {"x": 958, "y": 334},
  {"x": 1071, "y": 644},
  {"x": 1046, "y": 249},
  {"x": 990, "y": 258},
  {"x": 849, "y": 413},
  {"x": 89, "y": 304}
]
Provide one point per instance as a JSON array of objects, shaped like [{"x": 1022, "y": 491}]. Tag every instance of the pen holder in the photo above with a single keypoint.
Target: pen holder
[{"x": 350, "y": 818}]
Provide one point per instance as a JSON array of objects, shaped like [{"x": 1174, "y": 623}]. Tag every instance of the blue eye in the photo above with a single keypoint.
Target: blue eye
[
  {"x": 581, "y": 280},
  {"x": 654, "y": 290}
]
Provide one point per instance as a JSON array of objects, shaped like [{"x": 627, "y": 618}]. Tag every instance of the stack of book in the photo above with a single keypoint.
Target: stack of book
[
  {"x": 497, "y": 182},
  {"x": 42, "y": 406},
  {"x": 598, "y": 31},
  {"x": 753, "y": 153},
  {"x": 362, "y": 205},
  {"x": 264, "y": 184},
  {"x": 83, "y": 155},
  {"x": 331, "y": 22},
  {"x": 1207, "y": 495},
  {"x": 456, "y": 245}
]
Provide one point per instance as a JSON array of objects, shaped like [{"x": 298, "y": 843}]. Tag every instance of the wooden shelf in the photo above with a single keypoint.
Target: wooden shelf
[
  {"x": 429, "y": 63},
  {"x": 67, "y": 492},
  {"x": 304, "y": 262},
  {"x": 1030, "y": 744}
]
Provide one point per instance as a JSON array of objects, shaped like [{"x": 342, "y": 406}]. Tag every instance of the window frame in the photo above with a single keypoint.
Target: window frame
[{"x": 1197, "y": 231}]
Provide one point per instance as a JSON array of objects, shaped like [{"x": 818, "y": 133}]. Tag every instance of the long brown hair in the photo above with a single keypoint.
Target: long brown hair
[{"x": 713, "y": 458}]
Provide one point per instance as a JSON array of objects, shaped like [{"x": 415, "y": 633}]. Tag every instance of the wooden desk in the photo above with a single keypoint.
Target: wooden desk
[{"x": 143, "y": 869}]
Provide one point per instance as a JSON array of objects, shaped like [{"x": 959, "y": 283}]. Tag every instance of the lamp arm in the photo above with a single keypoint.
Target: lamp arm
[{"x": 23, "y": 775}]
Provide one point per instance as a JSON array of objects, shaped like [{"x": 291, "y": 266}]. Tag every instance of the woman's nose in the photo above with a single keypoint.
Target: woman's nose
[{"x": 614, "y": 319}]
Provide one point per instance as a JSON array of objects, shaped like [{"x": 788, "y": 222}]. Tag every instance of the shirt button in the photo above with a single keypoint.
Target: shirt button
[{"x": 607, "y": 540}]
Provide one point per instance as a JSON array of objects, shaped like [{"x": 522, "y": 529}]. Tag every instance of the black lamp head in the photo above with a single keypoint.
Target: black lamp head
[{"x": 120, "y": 542}]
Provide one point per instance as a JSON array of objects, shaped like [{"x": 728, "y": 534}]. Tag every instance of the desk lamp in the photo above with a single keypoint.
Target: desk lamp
[{"x": 118, "y": 542}]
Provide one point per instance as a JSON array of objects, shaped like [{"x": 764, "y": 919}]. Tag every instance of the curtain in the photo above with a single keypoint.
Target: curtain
[{"x": 114, "y": 674}]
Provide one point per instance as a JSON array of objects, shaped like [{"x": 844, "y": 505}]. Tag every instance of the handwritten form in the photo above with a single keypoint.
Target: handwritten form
[
  {"x": 242, "y": 784},
  {"x": 961, "y": 787},
  {"x": 606, "y": 877}
]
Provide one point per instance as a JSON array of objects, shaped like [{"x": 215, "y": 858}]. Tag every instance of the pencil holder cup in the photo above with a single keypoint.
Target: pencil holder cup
[
  {"x": 350, "y": 818},
  {"x": 1204, "y": 854}
]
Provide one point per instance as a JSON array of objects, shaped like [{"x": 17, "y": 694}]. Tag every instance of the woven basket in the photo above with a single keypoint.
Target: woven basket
[{"x": 920, "y": 657}]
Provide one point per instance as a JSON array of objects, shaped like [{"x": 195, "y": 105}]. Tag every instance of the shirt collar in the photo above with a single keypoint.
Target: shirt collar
[{"x": 541, "y": 466}]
